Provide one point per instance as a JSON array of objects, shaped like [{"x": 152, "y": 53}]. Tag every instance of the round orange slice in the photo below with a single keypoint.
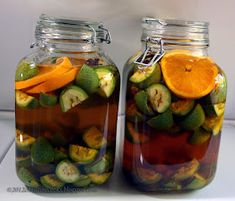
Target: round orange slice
[{"x": 188, "y": 76}]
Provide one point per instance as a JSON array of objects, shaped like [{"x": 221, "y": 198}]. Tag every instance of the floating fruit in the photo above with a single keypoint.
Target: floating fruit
[
  {"x": 24, "y": 141},
  {"x": 213, "y": 124},
  {"x": 160, "y": 97},
  {"x": 27, "y": 178},
  {"x": 24, "y": 100},
  {"x": 162, "y": 121},
  {"x": 194, "y": 119},
  {"x": 99, "y": 178},
  {"x": 182, "y": 107},
  {"x": 199, "y": 136},
  {"x": 88, "y": 79},
  {"x": 188, "y": 76},
  {"x": 71, "y": 97},
  {"x": 25, "y": 70},
  {"x": 23, "y": 161},
  {"x": 215, "y": 110},
  {"x": 141, "y": 100},
  {"x": 107, "y": 81},
  {"x": 147, "y": 176},
  {"x": 83, "y": 181},
  {"x": 51, "y": 181},
  {"x": 94, "y": 138},
  {"x": 197, "y": 182},
  {"x": 47, "y": 99},
  {"x": 42, "y": 152},
  {"x": 82, "y": 155}
]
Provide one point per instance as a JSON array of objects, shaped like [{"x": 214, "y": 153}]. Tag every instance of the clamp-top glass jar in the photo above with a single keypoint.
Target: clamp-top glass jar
[
  {"x": 174, "y": 108},
  {"x": 67, "y": 95}
]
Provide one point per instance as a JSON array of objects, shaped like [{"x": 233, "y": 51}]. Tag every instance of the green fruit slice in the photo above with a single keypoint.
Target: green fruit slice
[
  {"x": 186, "y": 171},
  {"x": 99, "y": 167},
  {"x": 107, "y": 81},
  {"x": 87, "y": 79},
  {"x": 182, "y": 107},
  {"x": 142, "y": 74},
  {"x": 194, "y": 119},
  {"x": 71, "y": 97},
  {"x": 132, "y": 114},
  {"x": 23, "y": 161},
  {"x": 213, "y": 124},
  {"x": 134, "y": 136},
  {"x": 26, "y": 70},
  {"x": 162, "y": 121},
  {"x": 24, "y": 141},
  {"x": 23, "y": 100},
  {"x": 160, "y": 97},
  {"x": 218, "y": 95},
  {"x": 51, "y": 181},
  {"x": 172, "y": 185},
  {"x": 47, "y": 99},
  {"x": 27, "y": 178},
  {"x": 82, "y": 155},
  {"x": 60, "y": 154},
  {"x": 215, "y": 110},
  {"x": 147, "y": 176},
  {"x": 197, "y": 183},
  {"x": 94, "y": 138},
  {"x": 99, "y": 178},
  {"x": 67, "y": 172},
  {"x": 141, "y": 100},
  {"x": 199, "y": 136},
  {"x": 83, "y": 181},
  {"x": 42, "y": 152}
]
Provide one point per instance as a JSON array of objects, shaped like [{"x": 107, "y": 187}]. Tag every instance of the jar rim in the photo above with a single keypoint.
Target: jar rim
[
  {"x": 70, "y": 30},
  {"x": 176, "y": 32}
]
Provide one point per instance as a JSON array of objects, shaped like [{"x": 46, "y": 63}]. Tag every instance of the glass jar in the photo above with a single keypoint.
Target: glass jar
[
  {"x": 175, "y": 99},
  {"x": 67, "y": 94}
]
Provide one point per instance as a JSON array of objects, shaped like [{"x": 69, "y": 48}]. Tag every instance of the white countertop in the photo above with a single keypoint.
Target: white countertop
[{"x": 222, "y": 188}]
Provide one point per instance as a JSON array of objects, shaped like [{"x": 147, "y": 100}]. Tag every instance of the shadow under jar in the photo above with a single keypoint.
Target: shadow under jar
[
  {"x": 66, "y": 95},
  {"x": 175, "y": 99}
]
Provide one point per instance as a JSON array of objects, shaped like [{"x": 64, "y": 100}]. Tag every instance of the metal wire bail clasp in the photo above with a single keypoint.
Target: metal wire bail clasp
[
  {"x": 107, "y": 36},
  {"x": 148, "y": 58}
]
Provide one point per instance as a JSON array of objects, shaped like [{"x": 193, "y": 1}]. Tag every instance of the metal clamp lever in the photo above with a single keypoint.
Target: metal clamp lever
[{"x": 148, "y": 58}]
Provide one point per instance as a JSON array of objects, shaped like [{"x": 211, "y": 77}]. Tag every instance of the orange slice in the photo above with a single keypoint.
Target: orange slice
[
  {"x": 55, "y": 82},
  {"x": 46, "y": 72},
  {"x": 188, "y": 76}
]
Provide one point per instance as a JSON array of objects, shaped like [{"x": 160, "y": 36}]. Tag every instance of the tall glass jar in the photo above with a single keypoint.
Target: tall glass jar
[
  {"x": 175, "y": 99},
  {"x": 66, "y": 95}
]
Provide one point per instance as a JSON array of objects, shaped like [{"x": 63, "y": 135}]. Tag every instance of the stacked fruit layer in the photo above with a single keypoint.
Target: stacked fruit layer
[
  {"x": 181, "y": 96},
  {"x": 45, "y": 156}
]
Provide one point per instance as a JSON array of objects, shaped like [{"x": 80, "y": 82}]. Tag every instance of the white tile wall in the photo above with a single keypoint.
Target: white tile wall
[{"x": 17, "y": 23}]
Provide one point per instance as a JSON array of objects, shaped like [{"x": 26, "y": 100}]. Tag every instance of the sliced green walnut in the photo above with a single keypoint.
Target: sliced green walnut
[
  {"x": 215, "y": 110},
  {"x": 98, "y": 167},
  {"x": 51, "y": 181},
  {"x": 163, "y": 121},
  {"x": 182, "y": 107},
  {"x": 194, "y": 119},
  {"x": 42, "y": 152},
  {"x": 133, "y": 135},
  {"x": 213, "y": 124},
  {"x": 24, "y": 100},
  {"x": 141, "y": 100},
  {"x": 24, "y": 141},
  {"x": 82, "y": 155},
  {"x": 27, "y": 178},
  {"x": 147, "y": 176},
  {"x": 218, "y": 95},
  {"x": 107, "y": 81},
  {"x": 67, "y": 172},
  {"x": 199, "y": 136},
  {"x": 25, "y": 70},
  {"x": 71, "y": 97},
  {"x": 160, "y": 97},
  {"x": 99, "y": 178},
  {"x": 94, "y": 138},
  {"x": 132, "y": 114},
  {"x": 46, "y": 100},
  {"x": 197, "y": 182},
  {"x": 23, "y": 161},
  {"x": 186, "y": 171},
  {"x": 83, "y": 181},
  {"x": 88, "y": 79}
]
